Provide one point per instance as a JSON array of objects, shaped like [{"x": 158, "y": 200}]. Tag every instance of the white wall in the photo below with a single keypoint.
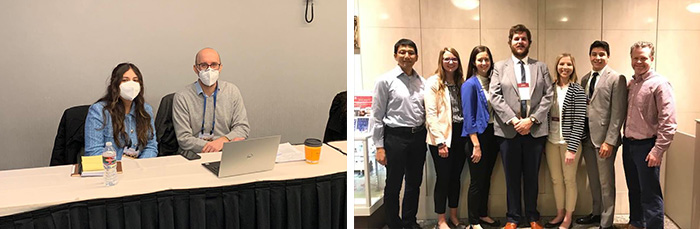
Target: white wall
[{"x": 58, "y": 54}]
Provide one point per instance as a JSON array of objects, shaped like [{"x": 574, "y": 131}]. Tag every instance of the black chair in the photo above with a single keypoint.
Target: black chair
[
  {"x": 69, "y": 144},
  {"x": 165, "y": 131},
  {"x": 336, "y": 127}
]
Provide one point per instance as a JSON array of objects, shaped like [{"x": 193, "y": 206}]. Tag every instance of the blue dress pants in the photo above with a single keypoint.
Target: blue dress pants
[{"x": 521, "y": 161}]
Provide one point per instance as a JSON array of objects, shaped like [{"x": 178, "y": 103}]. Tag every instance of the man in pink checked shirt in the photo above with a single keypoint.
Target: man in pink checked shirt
[{"x": 649, "y": 130}]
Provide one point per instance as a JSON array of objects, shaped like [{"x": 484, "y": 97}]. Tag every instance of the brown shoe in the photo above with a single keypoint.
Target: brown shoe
[
  {"x": 535, "y": 225},
  {"x": 510, "y": 225}
]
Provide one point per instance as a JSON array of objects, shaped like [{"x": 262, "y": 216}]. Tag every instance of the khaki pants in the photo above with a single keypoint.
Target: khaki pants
[{"x": 563, "y": 175}]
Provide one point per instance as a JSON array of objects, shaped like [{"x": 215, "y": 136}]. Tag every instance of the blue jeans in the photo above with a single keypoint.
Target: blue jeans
[{"x": 646, "y": 201}]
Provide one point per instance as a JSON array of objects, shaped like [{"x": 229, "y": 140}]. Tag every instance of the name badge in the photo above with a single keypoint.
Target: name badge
[
  {"x": 206, "y": 137},
  {"x": 524, "y": 91},
  {"x": 131, "y": 152},
  {"x": 555, "y": 119}
]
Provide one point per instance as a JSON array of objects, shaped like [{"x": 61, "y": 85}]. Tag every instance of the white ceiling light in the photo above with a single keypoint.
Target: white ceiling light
[
  {"x": 693, "y": 7},
  {"x": 564, "y": 19},
  {"x": 466, "y": 4}
]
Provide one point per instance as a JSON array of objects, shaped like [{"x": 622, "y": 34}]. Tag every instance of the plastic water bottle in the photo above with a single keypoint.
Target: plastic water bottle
[{"x": 109, "y": 161}]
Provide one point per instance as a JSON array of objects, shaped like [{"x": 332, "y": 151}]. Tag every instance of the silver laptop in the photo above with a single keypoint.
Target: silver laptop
[{"x": 247, "y": 156}]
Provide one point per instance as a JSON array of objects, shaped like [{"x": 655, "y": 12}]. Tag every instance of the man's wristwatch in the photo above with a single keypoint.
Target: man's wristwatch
[{"x": 533, "y": 120}]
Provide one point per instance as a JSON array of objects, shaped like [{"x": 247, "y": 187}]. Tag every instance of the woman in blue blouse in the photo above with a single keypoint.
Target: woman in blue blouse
[
  {"x": 122, "y": 112},
  {"x": 481, "y": 147}
]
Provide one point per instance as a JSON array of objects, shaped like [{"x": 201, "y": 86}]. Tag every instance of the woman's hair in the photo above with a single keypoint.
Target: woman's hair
[
  {"x": 115, "y": 106},
  {"x": 472, "y": 60},
  {"x": 441, "y": 71},
  {"x": 572, "y": 77}
]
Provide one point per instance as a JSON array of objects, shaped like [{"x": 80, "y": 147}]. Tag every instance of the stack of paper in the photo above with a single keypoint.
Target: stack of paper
[
  {"x": 287, "y": 153},
  {"x": 92, "y": 166}
]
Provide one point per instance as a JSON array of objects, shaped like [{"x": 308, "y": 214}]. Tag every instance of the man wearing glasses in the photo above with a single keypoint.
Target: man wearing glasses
[
  {"x": 209, "y": 112},
  {"x": 399, "y": 134}
]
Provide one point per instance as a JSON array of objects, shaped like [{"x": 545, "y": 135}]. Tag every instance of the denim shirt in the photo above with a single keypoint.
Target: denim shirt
[{"x": 96, "y": 136}]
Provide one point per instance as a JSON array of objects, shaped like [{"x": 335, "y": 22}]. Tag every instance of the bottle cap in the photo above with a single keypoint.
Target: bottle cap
[{"x": 108, "y": 144}]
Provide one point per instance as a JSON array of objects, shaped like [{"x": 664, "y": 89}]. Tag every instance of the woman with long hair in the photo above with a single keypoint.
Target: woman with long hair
[
  {"x": 444, "y": 124},
  {"x": 482, "y": 147},
  {"x": 122, "y": 117},
  {"x": 566, "y": 124}
]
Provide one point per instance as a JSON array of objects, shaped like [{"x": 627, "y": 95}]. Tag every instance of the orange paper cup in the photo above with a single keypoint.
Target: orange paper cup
[{"x": 312, "y": 149}]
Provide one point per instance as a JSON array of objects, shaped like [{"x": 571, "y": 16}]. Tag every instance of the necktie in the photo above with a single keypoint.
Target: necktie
[
  {"x": 523, "y": 103},
  {"x": 591, "y": 87}
]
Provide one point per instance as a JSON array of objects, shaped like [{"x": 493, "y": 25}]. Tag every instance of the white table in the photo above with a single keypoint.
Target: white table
[{"x": 24, "y": 190}]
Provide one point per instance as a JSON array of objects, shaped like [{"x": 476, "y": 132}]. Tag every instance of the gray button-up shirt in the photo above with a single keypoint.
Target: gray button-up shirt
[{"x": 397, "y": 102}]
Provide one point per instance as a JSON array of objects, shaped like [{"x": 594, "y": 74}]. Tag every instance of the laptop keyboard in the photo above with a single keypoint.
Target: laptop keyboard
[{"x": 213, "y": 167}]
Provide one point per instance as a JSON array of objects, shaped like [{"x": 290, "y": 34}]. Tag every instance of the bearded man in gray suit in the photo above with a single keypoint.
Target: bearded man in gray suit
[
  {"x": 521, "y": 98},
  {"x": 606, "y": 93}
]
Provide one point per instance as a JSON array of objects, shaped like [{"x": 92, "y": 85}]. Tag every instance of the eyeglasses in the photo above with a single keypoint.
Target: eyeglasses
[
  {"x": 447, "y": 60},
  {"x": 204, "y": 66}
]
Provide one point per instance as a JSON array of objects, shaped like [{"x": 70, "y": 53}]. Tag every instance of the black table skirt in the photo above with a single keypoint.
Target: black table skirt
[{"x": 318, "y": 202}]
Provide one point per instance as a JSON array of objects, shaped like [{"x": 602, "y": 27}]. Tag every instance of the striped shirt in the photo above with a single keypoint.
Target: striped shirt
[
  {"x": 573, "y": 116},
  {"x": 651, "y": 111}
]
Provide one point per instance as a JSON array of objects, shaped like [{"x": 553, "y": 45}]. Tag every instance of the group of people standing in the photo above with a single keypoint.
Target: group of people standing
[{"x": 516, "y": 108}]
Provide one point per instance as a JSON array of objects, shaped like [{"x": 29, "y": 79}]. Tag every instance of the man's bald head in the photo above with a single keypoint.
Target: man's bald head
[
  {"x": 207, "y": 57},
  {"x": 206, "y": 54}
]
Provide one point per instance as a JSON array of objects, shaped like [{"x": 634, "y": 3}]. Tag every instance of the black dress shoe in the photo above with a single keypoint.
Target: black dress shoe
[
  {"x": 551, "y": 225},
  {"x": 589, "y": 219},
  {"x": 412, "y": 226},
  {"x": 495, "y": 223},
  {"x": 460, "y": 225}
]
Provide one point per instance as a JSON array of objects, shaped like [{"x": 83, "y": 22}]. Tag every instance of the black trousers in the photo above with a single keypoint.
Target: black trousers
[
  {"x": 480, "y": 174},
  {"x": 521, "y": 160},
  {"x": 449, "y": 170},
  {"x": 405, "y": 156},
  {"x": 646, "y": 201}
]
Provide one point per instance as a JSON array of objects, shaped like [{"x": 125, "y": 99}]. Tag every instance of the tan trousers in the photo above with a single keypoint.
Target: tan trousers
[{"x": 563, "y": 176}]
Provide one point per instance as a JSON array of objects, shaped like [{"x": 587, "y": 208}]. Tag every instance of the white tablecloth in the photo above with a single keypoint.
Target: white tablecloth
[{"x": 24, "y": 190}]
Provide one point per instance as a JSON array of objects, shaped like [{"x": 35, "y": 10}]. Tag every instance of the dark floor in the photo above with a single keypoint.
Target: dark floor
[{"x": 620, "y": 222}]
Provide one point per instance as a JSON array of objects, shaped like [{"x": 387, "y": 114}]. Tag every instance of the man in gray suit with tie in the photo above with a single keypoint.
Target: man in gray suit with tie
[
  {"x": 606, "y": 91},
  {"x": 521, "y": 99}
]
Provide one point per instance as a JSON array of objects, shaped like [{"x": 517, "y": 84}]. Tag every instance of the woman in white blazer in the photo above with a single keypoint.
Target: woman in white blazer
[{"x": 444, "y": 123}]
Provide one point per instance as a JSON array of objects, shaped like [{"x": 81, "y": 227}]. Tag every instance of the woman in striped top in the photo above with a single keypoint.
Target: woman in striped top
[{"x": 566, "y": 123}]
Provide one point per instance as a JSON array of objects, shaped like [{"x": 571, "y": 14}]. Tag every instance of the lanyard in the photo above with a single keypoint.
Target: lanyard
[{"x": 213, "y": 122}]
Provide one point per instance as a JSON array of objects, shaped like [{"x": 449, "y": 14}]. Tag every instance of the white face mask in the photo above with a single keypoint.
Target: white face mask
[
  {"x": 129, "y": 90},
  {"x": 209, "y": 76}
]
